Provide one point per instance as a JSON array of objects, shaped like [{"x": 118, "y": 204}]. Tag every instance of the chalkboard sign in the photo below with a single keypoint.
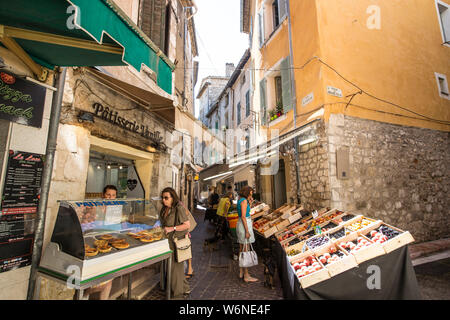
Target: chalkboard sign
[
  {"x": 19, "y": 205},
  {"x": 21, "y": 101},
  {"x": 21, "y": 192}
]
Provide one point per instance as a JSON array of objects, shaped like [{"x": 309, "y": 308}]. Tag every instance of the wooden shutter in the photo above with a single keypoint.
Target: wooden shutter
[
  {"x": 152, "y": 20},
  {"x": 282, "y": 9},
  {"x": 261, "y": 26},
  {"x": 286, "y": 85},
  {"x": 262, "y": 99}
]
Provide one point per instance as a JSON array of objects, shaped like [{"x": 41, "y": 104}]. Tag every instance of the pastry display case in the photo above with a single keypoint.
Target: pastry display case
[{"x": 100, "y": 237}]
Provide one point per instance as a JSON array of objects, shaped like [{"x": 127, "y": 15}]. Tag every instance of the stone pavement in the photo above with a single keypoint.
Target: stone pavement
[{"x": 216, "y": 274}]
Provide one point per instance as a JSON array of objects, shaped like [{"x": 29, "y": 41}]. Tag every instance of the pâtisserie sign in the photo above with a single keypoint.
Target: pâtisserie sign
[
  {"x": 108, "y": 114},
  {"x": 21, "y": 101}
]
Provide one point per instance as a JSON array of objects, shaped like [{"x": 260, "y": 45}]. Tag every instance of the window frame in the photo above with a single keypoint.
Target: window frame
[
  {"x": 444, "y": 95},
  {"x": 441, "y": 26}
]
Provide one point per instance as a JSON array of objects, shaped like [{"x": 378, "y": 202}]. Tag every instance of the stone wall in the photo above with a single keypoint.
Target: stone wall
[
  {"x": 313, "y": 166},
  {"x": 398, "y": 174}
]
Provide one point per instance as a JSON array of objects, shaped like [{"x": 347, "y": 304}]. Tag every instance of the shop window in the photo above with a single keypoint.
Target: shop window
[{"x": 107, "y": 170}]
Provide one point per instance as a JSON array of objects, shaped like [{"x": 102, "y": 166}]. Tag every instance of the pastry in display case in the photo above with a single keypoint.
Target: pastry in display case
[{"x": 103, "y": 236}]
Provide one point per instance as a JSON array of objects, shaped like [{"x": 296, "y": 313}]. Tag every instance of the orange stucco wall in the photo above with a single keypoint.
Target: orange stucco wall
[{"x": 396, "y": 62}]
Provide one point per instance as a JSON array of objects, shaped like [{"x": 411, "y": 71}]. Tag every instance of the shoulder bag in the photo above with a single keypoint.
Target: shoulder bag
[
  {"x": 248, "y": 257},
  {"x": 183, "y": 249}
]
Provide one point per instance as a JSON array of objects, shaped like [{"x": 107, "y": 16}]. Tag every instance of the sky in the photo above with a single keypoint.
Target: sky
[{"x": 219, "y": 39}]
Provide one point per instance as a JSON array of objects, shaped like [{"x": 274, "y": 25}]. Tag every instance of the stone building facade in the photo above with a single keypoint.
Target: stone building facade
[{"x": 397, "y": 174}]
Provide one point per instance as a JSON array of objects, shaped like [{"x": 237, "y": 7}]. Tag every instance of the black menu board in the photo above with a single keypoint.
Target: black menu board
[
  {"x": 19, "y": 205},
  {"x": 21, "y": 192}
]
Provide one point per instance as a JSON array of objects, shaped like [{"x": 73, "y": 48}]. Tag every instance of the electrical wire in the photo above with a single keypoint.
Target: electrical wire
[{"x": 354, "y": 85}]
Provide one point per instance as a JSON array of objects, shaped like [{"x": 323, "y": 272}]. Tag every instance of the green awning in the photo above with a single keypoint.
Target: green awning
[{"x": 81, "y": 33}]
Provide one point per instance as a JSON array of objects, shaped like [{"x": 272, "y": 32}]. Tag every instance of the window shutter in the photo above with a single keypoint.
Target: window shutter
[
  {"x": 282, "y": 9},
  {"x": 261, "y": 26},
  {"x": 263, "y": 106},
  {"x": 152, "y": 20},
  {"x": 286, "y": 85}
]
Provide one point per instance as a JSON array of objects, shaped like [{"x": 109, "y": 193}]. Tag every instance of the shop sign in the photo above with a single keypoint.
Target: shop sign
[
  {"x": 108, "y": 114},
  {"x": 21, "y": 101}
]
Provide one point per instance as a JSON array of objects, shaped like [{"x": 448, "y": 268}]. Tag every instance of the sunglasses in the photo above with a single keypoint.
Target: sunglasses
[{"x": 166, "y": 198}]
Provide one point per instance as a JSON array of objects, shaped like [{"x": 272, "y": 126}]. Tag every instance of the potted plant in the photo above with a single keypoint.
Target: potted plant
[
  {"x": 273, "y": 114},
  {"x": 279, "y": 109}
]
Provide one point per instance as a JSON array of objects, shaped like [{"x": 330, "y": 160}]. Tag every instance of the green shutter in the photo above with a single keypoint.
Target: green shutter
[
  {"x": 263, "y": 106},
  {"x": 286, "y": 85}
]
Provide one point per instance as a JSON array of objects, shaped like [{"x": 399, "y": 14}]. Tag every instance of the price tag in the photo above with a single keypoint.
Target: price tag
[{"x": 315, "y": 214}]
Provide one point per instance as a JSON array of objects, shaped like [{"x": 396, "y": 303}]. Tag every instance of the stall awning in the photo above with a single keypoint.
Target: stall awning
[
  {"x": 79, "y": 33},
  {"x": 305, "y": 133}
]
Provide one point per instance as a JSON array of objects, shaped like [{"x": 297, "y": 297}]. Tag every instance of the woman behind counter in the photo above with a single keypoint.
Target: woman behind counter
[{"x": 176, "y": 224}]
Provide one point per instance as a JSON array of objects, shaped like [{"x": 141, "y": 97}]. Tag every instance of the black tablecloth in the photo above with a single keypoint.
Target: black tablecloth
[{"x": 397, "y": 282}]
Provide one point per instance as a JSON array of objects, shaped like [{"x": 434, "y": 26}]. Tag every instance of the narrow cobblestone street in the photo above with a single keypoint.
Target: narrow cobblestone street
[{"x": 216, "y": 273}]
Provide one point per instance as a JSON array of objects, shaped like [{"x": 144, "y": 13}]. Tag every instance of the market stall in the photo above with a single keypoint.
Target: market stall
[
  {"x": 340, "y": 255},
  {"x": 94, "y": 241}
]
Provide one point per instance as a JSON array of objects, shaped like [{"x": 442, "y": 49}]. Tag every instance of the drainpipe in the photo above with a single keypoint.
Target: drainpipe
[
  {"x": 60, "y": 78},
  {"x": 293, "y": 95}
]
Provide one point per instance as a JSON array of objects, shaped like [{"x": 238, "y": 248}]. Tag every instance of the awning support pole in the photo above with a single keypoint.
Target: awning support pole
[
  {"x": 60, "y": 78},
  {"x": 12, "y": 45}
]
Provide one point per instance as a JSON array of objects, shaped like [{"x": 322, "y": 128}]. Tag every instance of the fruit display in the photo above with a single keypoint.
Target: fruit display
[
  {"x": 286, "y": 236},
  {"x": 317, "y": 241},
  {"x": 338, "y": 234},
  {"x": 293, "y": 252},
  {"x": 377, "y": 236},
  {"x": 388, "y": 232},
  {"x": 259, "y": 224},
  {"x": 333, "y": 256},
  {"x": 293, "y": 241},
  {"x": 360, "y": 224},
  {"x": 307, "y": 266},
  {"x": 356, "y": 245},
  {"x": 347, "y": 217},
  {"x": 329, "y": 226}
]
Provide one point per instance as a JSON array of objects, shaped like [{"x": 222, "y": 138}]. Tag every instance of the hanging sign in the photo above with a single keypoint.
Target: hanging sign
[{"x": 21, "y": 101}]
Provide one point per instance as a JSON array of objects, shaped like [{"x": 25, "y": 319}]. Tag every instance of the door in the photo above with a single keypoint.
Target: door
[{"x": 279, "y": 186}]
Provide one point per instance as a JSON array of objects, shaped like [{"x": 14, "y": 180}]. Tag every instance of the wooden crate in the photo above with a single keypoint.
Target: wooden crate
[
  {"x": 401, "y": 240},
  {"x": 329, "y": 232},
  {"x": 357, "y": 219},
  {"x": 313, "y": 278},
  {"x": 264, "y": 211},
  {"x": 296, "y": 236},
  {"x": 345, "y": 263},
  {"x": 364, "y": 254},
  {"x": 323, "y": 245}
]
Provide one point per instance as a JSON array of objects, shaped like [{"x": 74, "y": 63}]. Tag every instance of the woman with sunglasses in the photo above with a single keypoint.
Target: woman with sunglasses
[{"x": 176, "y": 225}]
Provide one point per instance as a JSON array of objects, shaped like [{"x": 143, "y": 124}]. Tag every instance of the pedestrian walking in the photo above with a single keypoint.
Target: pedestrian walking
[
  {"x": 244, "y": 227},
  {"x": 222, "y": 212}
]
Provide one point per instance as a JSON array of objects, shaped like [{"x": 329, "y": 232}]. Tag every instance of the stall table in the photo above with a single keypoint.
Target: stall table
[{"x": 397, "y": 279}]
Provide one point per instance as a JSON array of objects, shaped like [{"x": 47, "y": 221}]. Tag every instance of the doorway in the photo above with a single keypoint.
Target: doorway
[{"x": 279, "y": 186}]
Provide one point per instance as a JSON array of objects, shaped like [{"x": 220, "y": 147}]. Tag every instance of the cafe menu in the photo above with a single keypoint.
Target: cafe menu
[{"x": 20, "y": 200}]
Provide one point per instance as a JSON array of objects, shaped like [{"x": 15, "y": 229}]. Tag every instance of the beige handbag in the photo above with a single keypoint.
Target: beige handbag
[
  {"x": 192, "y": 221},
  {"x": 183, "y": 250}
]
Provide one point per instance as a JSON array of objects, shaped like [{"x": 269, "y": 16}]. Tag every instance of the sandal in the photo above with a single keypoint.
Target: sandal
[
  {"x": 250, "y": 279},
  {"x": 189, "y": 275}
]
